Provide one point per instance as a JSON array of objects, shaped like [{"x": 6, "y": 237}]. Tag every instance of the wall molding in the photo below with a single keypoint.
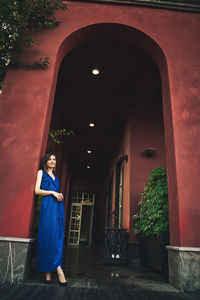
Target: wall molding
[{"x": 181, "y": 5}]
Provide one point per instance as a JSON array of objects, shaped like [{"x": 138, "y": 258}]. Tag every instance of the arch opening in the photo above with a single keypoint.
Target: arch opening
[{"x": 125, "y": 102}]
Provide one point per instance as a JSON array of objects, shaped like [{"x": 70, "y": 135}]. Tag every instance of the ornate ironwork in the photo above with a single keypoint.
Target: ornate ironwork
[{"x": 115, "y": 251}]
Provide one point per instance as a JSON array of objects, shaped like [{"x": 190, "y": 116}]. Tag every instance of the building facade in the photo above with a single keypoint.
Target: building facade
[{"x": 147, "y": 96}]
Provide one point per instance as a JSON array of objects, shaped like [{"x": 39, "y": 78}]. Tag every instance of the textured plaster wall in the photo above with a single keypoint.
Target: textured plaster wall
[{"x": 27, "y": 98}]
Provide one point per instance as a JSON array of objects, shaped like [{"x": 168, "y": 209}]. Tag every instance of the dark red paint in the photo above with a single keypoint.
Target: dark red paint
[{"x": 171, "y": 38}]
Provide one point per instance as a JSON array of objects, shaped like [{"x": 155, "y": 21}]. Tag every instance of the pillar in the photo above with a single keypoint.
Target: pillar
[
  {"x": 182, "y": 127},
  {"x": 24, "y": 121}
]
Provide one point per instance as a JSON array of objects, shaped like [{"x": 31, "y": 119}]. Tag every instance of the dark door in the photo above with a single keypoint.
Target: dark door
[
  {"x": 119, "y": 195},
  {"x": 109, "y": 203}
]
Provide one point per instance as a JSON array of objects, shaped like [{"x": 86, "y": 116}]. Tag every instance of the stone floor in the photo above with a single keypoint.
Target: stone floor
[{"x": 90, "y": 279}]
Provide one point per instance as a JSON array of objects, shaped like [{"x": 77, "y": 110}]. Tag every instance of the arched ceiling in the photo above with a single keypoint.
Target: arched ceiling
[{"x": 106, "y": 99}]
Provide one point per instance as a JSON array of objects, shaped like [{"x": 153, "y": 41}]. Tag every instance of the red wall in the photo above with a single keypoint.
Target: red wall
[{"x": 26, "y": 105}]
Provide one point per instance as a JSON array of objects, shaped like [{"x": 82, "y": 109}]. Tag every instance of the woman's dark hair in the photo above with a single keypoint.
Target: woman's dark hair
[{"x": 43, "y": 164}]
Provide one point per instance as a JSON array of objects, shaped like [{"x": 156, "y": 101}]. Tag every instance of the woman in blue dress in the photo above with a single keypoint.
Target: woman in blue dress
[{"x": 51, "y": 222}]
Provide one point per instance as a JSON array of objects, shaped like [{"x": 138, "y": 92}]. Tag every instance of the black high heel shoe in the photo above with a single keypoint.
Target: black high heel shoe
[
  {"x": 48, "y": 281},
  {"x": 62, "y": 283}
]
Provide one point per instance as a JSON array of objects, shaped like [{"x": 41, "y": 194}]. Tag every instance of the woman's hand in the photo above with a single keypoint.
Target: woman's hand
[{"x": 58, "y": 196}]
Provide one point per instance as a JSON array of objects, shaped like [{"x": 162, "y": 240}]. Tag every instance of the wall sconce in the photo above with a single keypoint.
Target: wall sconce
[{"x": 150, "y": 152}]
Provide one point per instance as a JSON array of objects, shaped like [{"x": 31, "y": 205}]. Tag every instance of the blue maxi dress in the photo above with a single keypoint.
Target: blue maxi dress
[{"x": 51, "y": 228}]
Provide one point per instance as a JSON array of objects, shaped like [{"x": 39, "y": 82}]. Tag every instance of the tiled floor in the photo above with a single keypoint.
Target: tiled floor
[{"x": 90, "y": 279}]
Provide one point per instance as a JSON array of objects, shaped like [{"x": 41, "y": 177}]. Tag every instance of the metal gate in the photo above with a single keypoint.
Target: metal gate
[{"x": 115, "y": 251}]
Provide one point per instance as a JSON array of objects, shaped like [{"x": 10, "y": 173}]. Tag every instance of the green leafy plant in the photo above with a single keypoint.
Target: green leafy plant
[
  {"x": 153, "y": 218},
  {"x": 41, "y": 63},
  {"x": 58, "y": 135},
  {"x": 19, "y": 20}
]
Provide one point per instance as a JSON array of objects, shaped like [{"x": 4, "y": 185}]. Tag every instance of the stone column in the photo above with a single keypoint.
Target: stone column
[
  {"x": 14, "y": 259},
  {"x": 184, "y": 268}
]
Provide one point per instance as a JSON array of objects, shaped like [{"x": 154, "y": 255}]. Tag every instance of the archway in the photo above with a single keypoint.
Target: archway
[{"x": 75, "y": 77}]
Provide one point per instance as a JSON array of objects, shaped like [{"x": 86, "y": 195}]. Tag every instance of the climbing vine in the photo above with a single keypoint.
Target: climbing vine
[
  {"x": 19, "y": 20},
  {"x": 58, "y": 135}
]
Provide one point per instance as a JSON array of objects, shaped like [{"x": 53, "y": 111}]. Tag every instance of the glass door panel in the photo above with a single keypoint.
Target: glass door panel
[{"x": 75, "y": 224}]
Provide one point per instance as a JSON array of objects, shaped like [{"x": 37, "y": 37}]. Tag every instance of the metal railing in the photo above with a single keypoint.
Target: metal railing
[{"x": 115, "y": 249}]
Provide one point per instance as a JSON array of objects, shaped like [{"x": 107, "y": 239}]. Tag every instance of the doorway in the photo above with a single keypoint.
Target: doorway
[
  {"x": 81, "y": 219},
  {"x": 119, "y": 195},
  {"x": 86, "y": 225}
]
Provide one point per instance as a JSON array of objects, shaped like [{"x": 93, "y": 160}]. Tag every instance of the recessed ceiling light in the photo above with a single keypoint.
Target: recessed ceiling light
[
  {"x": 88, "y": 167},
  {"x": 95, "y": 71},
  {"x": 91, "y": 124},
  {"x": 89, "y": 151}
]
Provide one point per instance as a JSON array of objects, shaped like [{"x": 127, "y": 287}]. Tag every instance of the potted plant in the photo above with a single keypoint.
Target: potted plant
[{"x": 152, "y": 221}]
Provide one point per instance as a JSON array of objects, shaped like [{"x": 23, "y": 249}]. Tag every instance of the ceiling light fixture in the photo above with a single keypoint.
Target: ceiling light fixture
[
  {"x": 91, "y": 124},
  {"x": 88, "y": 167},
  {"x": 95, "y": 71},
  {"x": 89, "y": 151}
]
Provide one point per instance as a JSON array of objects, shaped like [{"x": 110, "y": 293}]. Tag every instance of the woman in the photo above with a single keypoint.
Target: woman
[{"x": 51, "y": 222}]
